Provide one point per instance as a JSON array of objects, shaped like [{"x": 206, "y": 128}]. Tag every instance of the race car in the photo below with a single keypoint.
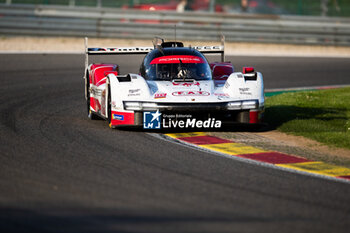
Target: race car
[{"x": 175, "y": 87}]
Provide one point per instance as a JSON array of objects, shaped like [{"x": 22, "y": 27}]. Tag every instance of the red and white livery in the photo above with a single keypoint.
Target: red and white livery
[{"x": 172, "y": 79}]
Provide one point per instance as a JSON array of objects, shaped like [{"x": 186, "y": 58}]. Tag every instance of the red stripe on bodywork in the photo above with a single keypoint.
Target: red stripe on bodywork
[
  {"x": 202, "y": 140},
  {"x": 127, "y": 118},
  {"x": 99, "y": 71},
  {"x": 344, "y": 177},
  {"x": 176, "y": 59},
  {"x": 274, "y": 158},
  {"x": 95, "y": 104}
]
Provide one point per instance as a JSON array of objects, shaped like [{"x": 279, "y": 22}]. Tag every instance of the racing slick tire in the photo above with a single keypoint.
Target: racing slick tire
[
  {"x": 109, "y": 109},
  {"x": 91, "y": 115}
]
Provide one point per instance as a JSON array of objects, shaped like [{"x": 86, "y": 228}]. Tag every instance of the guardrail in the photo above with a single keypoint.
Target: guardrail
[{"x": 119, "y": 23}]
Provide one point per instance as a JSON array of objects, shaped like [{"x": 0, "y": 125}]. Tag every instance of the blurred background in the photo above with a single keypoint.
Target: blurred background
[
  {"x": 306, "y": 22},
  {"x": 340, "y": 8}
]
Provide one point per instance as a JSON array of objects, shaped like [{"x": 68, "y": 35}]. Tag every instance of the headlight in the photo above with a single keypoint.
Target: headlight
[
  {"x": 133, "y": 106},
  {"x": 238, "y": 105},
  {"x": 251, "y": 104},
  {"x": 139, "y": 106},
  {"x": 149, "y": 105},
  {"x": 234, "y": 105}
]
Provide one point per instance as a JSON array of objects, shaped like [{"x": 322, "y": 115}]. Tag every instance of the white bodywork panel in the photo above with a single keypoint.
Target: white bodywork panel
[{"x": 138, "y": 89}]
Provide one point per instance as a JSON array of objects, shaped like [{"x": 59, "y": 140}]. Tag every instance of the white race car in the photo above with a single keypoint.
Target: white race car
[{"x": 176, "y": 87}]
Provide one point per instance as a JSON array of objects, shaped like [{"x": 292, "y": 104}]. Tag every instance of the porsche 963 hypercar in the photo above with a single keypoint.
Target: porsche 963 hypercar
[{"x": 175, "y": 86}]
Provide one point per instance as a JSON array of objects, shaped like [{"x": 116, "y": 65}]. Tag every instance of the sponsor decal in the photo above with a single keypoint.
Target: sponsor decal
[
  {"x": 245, "y": 91},
  {"x": 151, "y": 120},
  {"x": 134, "y": 92},
  {"x": 190, "y": 93},
  {"x": 207, "y": 47},
  {"x": 176, "y": 59},
  {"x": 160, "y": 95},
  {"x": 118, "y": 117},
  {"x": 186, "y": 84},
  {"x": 221, "y": 94}
]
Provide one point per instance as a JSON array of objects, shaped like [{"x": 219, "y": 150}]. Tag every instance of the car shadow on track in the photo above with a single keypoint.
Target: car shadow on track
[
  {"x": 110, "y": 220},
  {"x": 233, "y": 127}
]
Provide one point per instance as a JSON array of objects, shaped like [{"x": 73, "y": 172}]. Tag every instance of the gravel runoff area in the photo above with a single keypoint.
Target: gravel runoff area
[
  {"x": 272, "y": 140},
  {"x": 76, "y": 45}
]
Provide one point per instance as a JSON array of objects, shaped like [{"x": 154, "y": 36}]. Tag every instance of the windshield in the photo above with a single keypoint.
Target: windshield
[{"x": 183, "y": 67}]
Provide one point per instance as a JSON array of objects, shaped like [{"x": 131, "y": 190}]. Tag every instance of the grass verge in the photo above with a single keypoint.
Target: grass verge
[{"x": 322, "y": 115}]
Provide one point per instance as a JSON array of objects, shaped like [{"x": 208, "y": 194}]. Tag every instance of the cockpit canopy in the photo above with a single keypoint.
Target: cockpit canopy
[{"x": 166, "y": 64}]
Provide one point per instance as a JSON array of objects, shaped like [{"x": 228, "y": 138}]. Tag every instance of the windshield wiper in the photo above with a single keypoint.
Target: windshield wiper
[{"x": 184, "y": 73}]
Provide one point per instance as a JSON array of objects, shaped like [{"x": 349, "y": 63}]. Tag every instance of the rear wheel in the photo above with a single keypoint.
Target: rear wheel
[{"x": 91, "y": 115}]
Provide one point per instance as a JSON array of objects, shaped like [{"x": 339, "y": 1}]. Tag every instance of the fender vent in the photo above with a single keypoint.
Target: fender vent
[
  {"x": 249, "y": 77},
  {"x": 124, "y": 78}
]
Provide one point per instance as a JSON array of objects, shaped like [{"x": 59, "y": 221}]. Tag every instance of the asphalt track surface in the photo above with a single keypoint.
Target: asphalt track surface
[{"x": 61, "y": 172}]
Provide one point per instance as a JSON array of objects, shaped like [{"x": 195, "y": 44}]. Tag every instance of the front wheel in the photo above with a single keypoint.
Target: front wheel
[
  {"x": 91, "y": 115},
  {"x": 109, "y": 109}
]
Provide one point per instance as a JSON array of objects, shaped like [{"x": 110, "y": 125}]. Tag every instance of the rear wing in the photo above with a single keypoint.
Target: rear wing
[{"x": 145, "y": 50}]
